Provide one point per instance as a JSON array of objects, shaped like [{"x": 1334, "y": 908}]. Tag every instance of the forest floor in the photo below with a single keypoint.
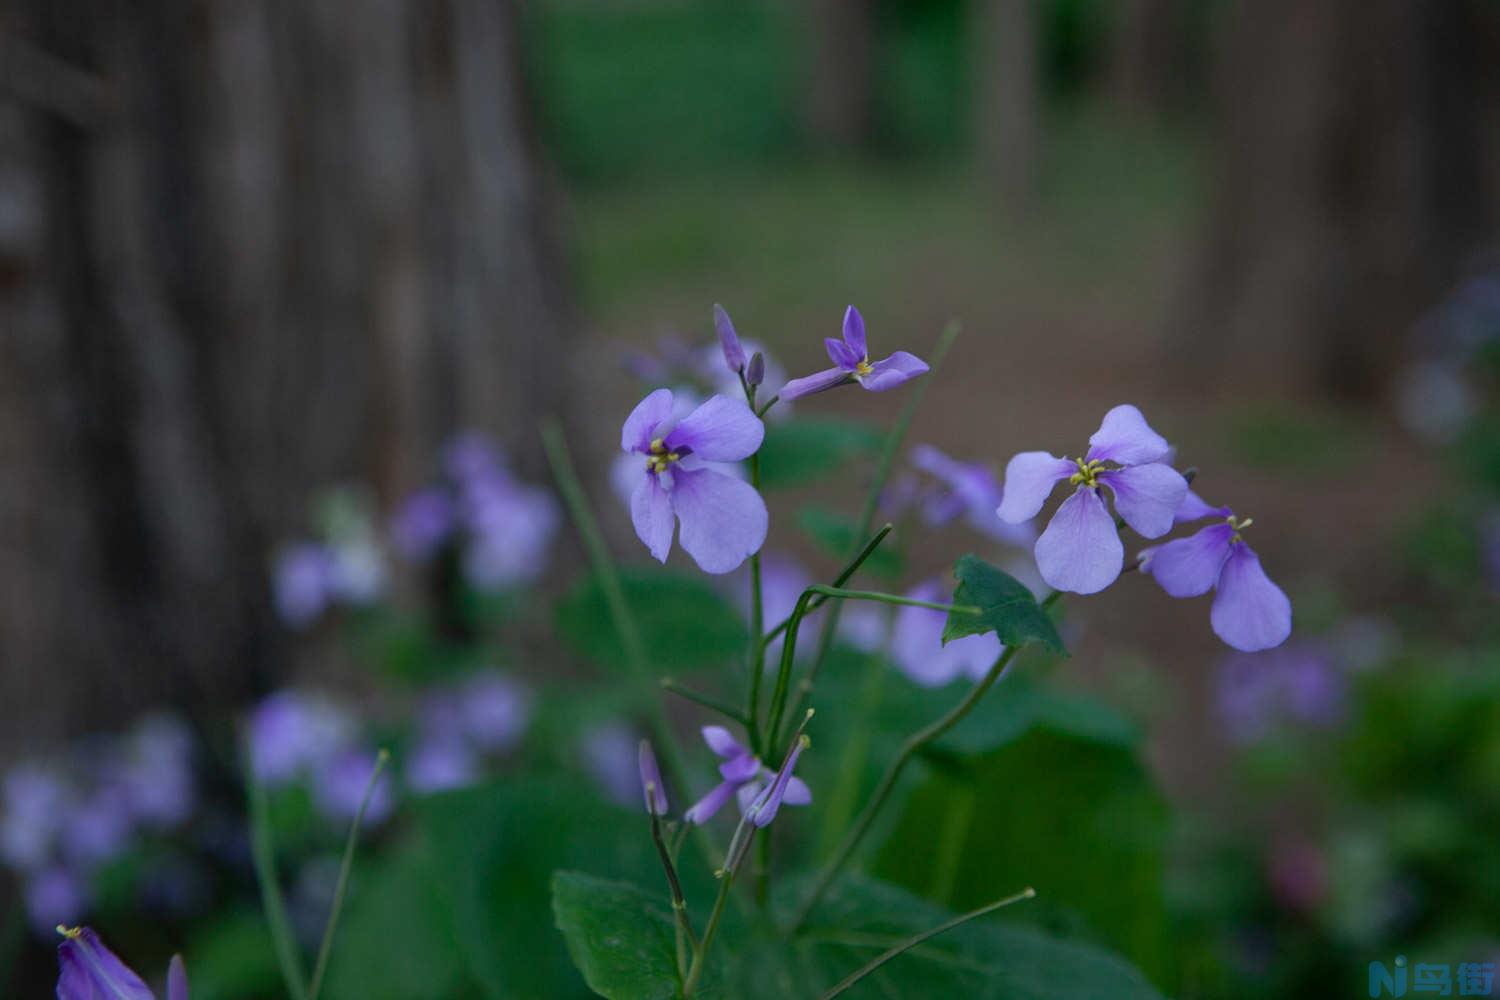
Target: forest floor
[{"x": 1066, "y": 312}]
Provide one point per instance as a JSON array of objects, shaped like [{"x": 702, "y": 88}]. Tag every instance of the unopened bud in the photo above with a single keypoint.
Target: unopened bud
[{"x": 755, "y": 372}]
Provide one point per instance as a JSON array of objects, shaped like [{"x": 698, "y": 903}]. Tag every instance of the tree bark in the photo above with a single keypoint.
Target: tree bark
[
  {"x": 1006, "y": 99},
  {"x": 1351, "y": 188},
  {"x": 841, "y": 77},
  {"x": 246, "y": 250}
]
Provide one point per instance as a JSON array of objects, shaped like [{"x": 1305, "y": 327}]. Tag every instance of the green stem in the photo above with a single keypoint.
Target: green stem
[
  {"x": 707, "y": 701},
  {"x": 342, "y": 886},
  {"x": 848, "y": 571},
  {"x": 700, "y": 954},
  {"x": 272, "y": 903},
  {"x": 684, "y": 926},
  {"x": 757, "y": 621},
  {"x": 909, "y": 749},
  {"x": 912, "y": 942},
  {"x": 893, "y": 443},
  {"x": 767, "y": 407}
]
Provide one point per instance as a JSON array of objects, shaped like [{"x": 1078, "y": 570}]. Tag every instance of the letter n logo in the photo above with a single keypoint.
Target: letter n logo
[{"x": 1388, "y": 982}]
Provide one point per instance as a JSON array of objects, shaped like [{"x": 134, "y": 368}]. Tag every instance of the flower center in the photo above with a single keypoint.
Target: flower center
[
  {"x": 864, "y": 367},
  {"x": 1087, "y": 473},
  {"x": 1238, "y": 525},
  {"x": 660, "y": 458}
]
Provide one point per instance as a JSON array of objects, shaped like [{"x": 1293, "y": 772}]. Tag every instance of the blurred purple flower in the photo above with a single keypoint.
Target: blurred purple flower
[
  {"x": 745, "y": 777},
  {"x": 32, "y": 804},
  {"x": 917, "y": 643},
  {"x": 291, "y": 734},
  {"x": 673, "y": 358},
  {"x": 723, "y": 519},
  {"x": 1080, "y": 551},
  {"x": 97, "y": 827},
  {"x": 851, "y": 359},
  {"x": 472, "y": 457},
  {"x": 439, "y": 764},
  {"x": 652, "y": 788},
  {"x": 1249, "y": 612},
  {"x": 87, "y": 970},
  {"x": 1297, "y": 683},
  {"x": 971, "y": 491},
  {"x": 1435, "y": 401},
  {"x": 864, "y": 626},
  {"x": 511, "y": 526},
  {"x": 54, "y": 896},
  {"x": 340, "y": 785},
  {"x": 359, "y": 574},
  {"x": 761, "y": 799},
  {"x": 782, "y": 580},
  {"x": 156, "y": 772},
  {"x": 303, "y": 583},
  {"x": 612, "y": 754},
  {"x": 496, "y": 710},
  {"x": 425, "y": 520}
]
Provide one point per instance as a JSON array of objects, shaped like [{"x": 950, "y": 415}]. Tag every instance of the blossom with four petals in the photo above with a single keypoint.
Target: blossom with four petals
[{"x": 851, "y": 360}]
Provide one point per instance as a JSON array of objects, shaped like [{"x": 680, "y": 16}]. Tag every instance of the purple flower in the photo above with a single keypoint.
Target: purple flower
[
  {"x": 423, "y": 523},
  {"x": 1080, "y": 551},
  {"x": 54, "y": 896},
  {"x": 863, "y": 626},
  {"x": 761, "y": 806},
  {"x": 1249, "y": 612},
  {"x": 156, "y": 773},
  {"x": 340, "y": 788},
  {"x": 723, "y": 520},
  {"x": 97, "y": 827},
  {"x": 1297, "y": 683},
  {"x": 472, "y": 456},
  {"x": 611, "y": 752},
  {"x": 971, "y": 491},
  {"x": 290, "y": 733},
  {"x": 745, "y": 777},
  {"x": 651, "y": 784},
  {"x": 917, "y": 643},
  {"x": 729, "y": 341},
  {"x": 495, "y": 710},
  {"x": 32, "y": 804},
  {"x": 303, "y": 583},
  {"x": 511, "y": 525},
  {"x": 87, "y": 970},
  {"x": 851, "y": 359},
  {"x": 440, "y": 763}
]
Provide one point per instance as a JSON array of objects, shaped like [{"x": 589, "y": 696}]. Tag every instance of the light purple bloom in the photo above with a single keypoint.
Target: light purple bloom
[
  {"x": 97, "y": 827},
  {"x": 729, "y": 341},
  {"x": 780, "y": 787},
  {"x": 864, "y": 626},
  {"x": 472, "y": 456},
  {"x": 972, "y": 491},
  {"x": 511, "y": 525},
  {"x": 156, "y": 772},
  {"x": 1298, "y": 684},
  {"x": 340, "y": 786},
  {"x": 917, "y": 643},
  {"x": 495, "y": 710},
  {"x": 303, "y": 583},
  {"x": 290, "y": 733},
  {"x": 723, "y": 520},
  {"x": 440, "y": 763},
  {"x": 851, "y": 360},
  {"x": 782, "y": 580},
  {"x": 54, "y": 896},
  {"x": 1080, "y": 551},
  {"x": 425, "y": 520},
  {"x": 745, "y": 777},
  {"x": 611, "y": 752},
  {"x": 87, "y": 970},
  {"x": 32, "y": 804},
  {"x": 651, "y": 783},
  {"x": 1249, "y": 612}
]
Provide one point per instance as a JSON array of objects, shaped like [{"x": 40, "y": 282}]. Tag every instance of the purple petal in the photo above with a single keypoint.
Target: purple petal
[
  {"x": 841, "y": 354},
  {"x": 1146, "y": 496},
  {"x": 816, "y": 382},
  {"x": 651, "y": 785},
  {"x": 1124, "y": 437},
  {"x": 721, "y": 430},
  {"x": 651, "y": 512},
  {"x": 721, "y": 742},
  {"x": 770, "y": 803},
  {"x": 641, "y": 425},
  {"x": 749, "y": 792},
  {"x": 1029, "y": 479},
  {"x": 739, "y": 769},
  {"x": 703, "y": 810},
  {"x": 1080, "y": 551},
  {"x": 1187, "y": 567},
  {"x": 724, "y": 521},
  {"x": 90, "y": 971},
  {"x": 890, "y": 372},
  {"x": 797, "y": 792},
  {"x": 1250, "y": 612},
  {"x": 729, "y": 341},
  {"x": 1193, "y": 508},
  {"x": 177, "y": 981},
  {"x": 854, "y": 333}
]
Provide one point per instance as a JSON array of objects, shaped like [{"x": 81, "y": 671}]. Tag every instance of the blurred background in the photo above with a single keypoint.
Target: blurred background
[{"x": 253, "y": 252}]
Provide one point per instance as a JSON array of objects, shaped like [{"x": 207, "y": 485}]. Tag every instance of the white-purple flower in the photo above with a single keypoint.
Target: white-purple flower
[
  {"x": 851, "y": 360},
  {"x": 745, "y": 778},
  {"x": 1249, "y": 612},
  {"x": 971, "y": 491},
  {"x": 440, "y": 763},
  {"x": 1080, "y": 551},
  {"x": 289, "y": 733},
  {"x": 723, "y": 520},
  {"x": 917, "y": 643},
  {"x": 340, "y": 785}
]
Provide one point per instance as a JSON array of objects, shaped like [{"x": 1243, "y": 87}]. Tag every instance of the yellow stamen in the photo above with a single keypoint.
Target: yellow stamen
[
  {"x": 1087, "y": 473},
  {"x": 864, "y": 367},
  {"x": 69, "y": 932}
]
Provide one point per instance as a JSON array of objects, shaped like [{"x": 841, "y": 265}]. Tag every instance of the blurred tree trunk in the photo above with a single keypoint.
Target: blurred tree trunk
[
  {"x": 1147, "y": 55},
  {"x": 1006, "y": 99},
  {"x": 841, "y": 77},
  {"x": 246, "y": 250},
  {"x": 1350, "y": 186}
]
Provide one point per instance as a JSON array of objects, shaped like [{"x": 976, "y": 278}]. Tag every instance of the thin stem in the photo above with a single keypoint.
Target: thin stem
[
  {"x": 848, "y": 571},
  {"x": 272, "y": 903},
  {"x": 767, "y": 407},
  {"x": 684, "y": 926},
  {"x": 909, "y": 749},
  {"x": 700, "y": 954},
  {"x": 893, "y": 443},
  {"x": 706, "y": 700},
  {"x": 912, "y": 942},
  {"x": 342, "y": 886},
  {"x": 757, "y": 618}
]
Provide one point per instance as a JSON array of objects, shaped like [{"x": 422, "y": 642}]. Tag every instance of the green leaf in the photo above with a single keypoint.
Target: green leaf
[
  {"x": 989, "y": 959},
  {"x": 1009, "y": 610},
  {"x": 1077, "y": 818},
  {"x": 684, "y": 622},
  {"x": 620, "y": 938},
  {"x": 798, "y": 452},
  {"x": 834, "y": 534}
]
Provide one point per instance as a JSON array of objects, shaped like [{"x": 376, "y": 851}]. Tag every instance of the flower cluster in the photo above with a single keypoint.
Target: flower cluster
[{"x": 345, "y": 567}]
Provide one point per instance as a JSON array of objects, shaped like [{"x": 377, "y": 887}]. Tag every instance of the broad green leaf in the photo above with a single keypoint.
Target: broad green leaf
[
  {"x": 1078, "y": 819},
  {"x": 800, "y": 451},
  {"x": 684, "y": 622},
  {"x": 620, "y": 937},
  {"x": 1009, "y": 610},
  {"x": 834, "y": 534},
  {"x": 989, "y": 959}
]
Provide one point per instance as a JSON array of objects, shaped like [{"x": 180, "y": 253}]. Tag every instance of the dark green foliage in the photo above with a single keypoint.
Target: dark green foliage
[
  {"x": 1009, "y": 610},
  {"x": 802, "y": 451},
  {"x": 685, "y": 623}
]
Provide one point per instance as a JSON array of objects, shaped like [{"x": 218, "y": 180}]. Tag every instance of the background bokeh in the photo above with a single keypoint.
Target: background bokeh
[{"x": 261, "y": 267}]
